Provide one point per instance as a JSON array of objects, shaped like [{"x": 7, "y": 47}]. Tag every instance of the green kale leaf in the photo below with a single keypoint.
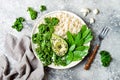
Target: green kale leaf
[
  {"x": 18, "y": 24},
  {"x": 43, "y": 8},
  {"x": 105, "y": 58},
  {"x": 33, "y": 13}
]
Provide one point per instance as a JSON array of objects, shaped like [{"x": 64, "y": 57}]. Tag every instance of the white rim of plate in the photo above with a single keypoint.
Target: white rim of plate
[{"x": 72, "y": 64}]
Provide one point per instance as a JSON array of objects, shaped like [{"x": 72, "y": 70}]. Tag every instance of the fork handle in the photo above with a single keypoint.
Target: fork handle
[{"x": 91, "y": 58}]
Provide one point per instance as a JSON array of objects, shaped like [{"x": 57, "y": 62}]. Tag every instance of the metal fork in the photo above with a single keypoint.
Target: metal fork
[{"x": 100, "y": 37}]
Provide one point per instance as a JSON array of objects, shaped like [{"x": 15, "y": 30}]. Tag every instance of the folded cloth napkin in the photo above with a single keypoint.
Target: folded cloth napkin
[{"x": 27, "y": 67}]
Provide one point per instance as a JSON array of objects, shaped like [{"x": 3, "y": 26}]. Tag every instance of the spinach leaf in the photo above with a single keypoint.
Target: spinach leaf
[
  {"x": 82, "y": 48},
  {"x": 70, "y": 38},
  {"x": 69, "y": 57},
  {"x": 88, "y": 39},
  {"x": 78, "y": 55},
  {"x": 81, "y": 42},
  {"x": 74, "y": 36},
  {"x": 85, "y": 33},
  {"x": 77, "y": 38},
  {"x": 72, "y": 47},
  {"x": 76, "y": 43},
  {"x": 84, "y": 28}
]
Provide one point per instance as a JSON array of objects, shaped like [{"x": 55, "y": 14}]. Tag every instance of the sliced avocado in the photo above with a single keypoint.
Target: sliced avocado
[{"x": 59, "y": 45}]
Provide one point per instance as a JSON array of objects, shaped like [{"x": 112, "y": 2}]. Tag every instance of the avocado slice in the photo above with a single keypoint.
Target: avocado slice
[{"x": 59, "y": 45}]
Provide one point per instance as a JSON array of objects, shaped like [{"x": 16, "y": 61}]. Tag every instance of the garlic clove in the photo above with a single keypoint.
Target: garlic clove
[
  {"x": 85, "y": 14},
  {"x": 92, "y": 20},
  {"x": 96, "y": 11},
  {"x": 87, "y": 10}
]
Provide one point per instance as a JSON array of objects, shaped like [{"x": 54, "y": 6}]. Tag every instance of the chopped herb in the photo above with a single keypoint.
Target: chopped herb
[
  {"x": 43, "y": 8},
  {"x": 42, "y": 39},
  {"x": 33, "y": 13},
  {"x": 105, "y": 58},
  {"x": 52, "y": 21},
  {"x": 18, "y": 24}
]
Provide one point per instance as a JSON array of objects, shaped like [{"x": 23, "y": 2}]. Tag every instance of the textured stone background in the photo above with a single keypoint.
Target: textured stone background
[{"x": 109, "y": 16}]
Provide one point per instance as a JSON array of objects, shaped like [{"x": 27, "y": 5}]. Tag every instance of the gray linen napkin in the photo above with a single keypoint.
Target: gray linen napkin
[{"x": 27, "y": 67}]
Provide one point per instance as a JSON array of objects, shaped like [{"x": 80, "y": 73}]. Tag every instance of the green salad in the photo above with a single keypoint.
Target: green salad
[{"x": 52, "y": 48}]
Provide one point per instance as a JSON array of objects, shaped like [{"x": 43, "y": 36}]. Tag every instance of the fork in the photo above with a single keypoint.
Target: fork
[{"x": 100, "y": 37}]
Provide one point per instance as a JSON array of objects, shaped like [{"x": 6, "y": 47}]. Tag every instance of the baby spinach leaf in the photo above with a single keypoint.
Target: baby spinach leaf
[
  {"x": 81, "y": 41},
  {"x": 82, "y": 48},
  {"x": 88, "y": 39},
  {"x": 84, "y": 27},
  {"x": 70, "y": 38},
  {"x": 78, "y": 55},
  {"x": 85, "y": 33},
  {"x": 69, "y": 57},
  {"x": 77, "y": 38},
  {"x": 74, "y": 36},
  {"x": 72, "y": 47}
]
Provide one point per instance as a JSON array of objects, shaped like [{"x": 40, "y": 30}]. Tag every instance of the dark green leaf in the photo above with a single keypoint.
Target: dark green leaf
[
  {"x": 70, "y": 38},
  {"x": 18, "y": 24},
  {"x": 84, "y": 28},
  {"x": 74, "y": 36},
  {"x": 72, "y": 47},
  {"x": 34, "y": 38},
  {"x": 82, "y": 48},
  {"x": 78, "y": 55},
  {"x": 42, "y": 28},
  {"x": 81, "y": 42},
  {"x": 85, "y": 33},
  {"x": 88, "y": 39},
  {"x": 44, "y": 46},
  {"x": 33, "y": 13},
  {"x": 77, "y": 38},
  {"x": 55, "y": 21},
  {"x": 69, "y": 57},
  {"x": 43, "y": 8},
  {"x": 105, "y": 58}
]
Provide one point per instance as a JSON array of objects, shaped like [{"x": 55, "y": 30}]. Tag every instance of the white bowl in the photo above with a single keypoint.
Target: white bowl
[{"x": 35, "y": 29}]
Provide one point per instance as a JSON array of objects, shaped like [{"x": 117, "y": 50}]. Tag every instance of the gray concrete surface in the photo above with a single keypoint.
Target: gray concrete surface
[{"x": 109, "y": 16}]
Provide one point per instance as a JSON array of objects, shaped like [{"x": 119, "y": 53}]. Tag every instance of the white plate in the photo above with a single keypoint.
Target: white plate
[{"x": 35, "y": 29}]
